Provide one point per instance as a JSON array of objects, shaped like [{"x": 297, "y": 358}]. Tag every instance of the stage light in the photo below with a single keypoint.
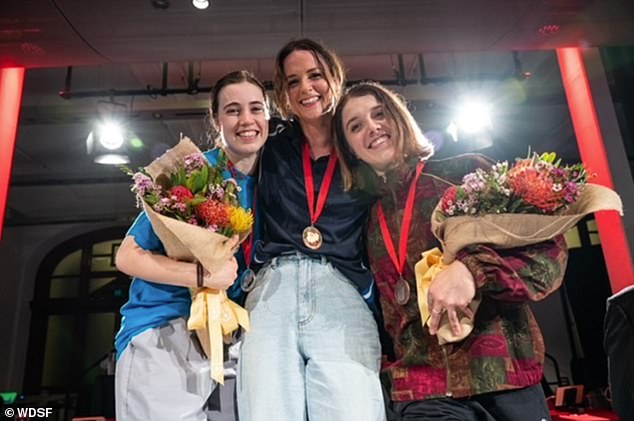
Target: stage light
[
  {"x": 112, "y": 159},
  {"x": 106, "y": 144},
  {"x": 200, "y": 4},
  {"x": 161, "y": 4},
  {"x": 110, "y": 135},
  {"x": 471, "y": 125},
  {"x": 473, "y": 117}
]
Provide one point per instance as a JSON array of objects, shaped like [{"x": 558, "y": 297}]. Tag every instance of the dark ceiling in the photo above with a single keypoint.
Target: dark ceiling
[
  {"x": 130, "y": 53},
  {"x": 54, "y": 33}
]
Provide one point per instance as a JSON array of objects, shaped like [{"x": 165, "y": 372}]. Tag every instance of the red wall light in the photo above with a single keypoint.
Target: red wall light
[
  {"x": 616, "y": 250},
  {"x": 11, "y": 85}
]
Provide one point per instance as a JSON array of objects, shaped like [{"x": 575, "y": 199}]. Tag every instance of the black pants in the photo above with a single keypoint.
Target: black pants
[{"x": 526, "y": 404}]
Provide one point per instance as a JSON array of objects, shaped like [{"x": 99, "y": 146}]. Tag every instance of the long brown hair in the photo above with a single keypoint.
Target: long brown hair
[
  {"x": 410, "y": 141},
  {"x": 231, "y": 78},
  {"x": 326, "y": 58}
]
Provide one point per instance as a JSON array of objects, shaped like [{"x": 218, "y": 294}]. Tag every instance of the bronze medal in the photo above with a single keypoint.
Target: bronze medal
[
  {"x": 312, "y": 237},
  {"x": 402, "y": 292}
]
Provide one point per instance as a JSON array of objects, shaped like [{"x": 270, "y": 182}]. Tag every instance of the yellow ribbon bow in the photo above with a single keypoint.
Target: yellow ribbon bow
[
  {"x": 426, "y": 269},
  {"x": 213, "y": 315}
]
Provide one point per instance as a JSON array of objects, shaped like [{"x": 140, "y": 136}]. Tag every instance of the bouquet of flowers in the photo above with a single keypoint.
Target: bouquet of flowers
[
  {"x": 533, "y": 185},
  {"x": 508, "y": 206},
  {"x": 194, "y": 211}
]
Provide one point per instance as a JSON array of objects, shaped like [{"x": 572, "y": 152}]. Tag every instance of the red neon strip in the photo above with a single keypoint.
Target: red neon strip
[
  {"x": 616, "y": 250},
  {"x": 11, "y": 85}
]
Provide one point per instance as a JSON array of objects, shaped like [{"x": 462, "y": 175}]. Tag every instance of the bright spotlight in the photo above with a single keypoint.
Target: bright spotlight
[
  {"x": 110, "y": 135},
  {"x": 112, "y": 159},
  {"x": 200, "y": 4},
  {"x": 106, "y": 144},
  {"x": 473, "y": 117}
]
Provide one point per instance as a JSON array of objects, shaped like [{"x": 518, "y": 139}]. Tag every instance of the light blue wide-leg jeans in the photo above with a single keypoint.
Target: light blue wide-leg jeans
[{"x": 313, "y": 350}]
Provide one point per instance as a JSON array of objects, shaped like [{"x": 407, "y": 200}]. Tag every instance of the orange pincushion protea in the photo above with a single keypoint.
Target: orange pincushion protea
[
  {"x": 535, "y": 186},
  {"x": 214, "y": 213}
]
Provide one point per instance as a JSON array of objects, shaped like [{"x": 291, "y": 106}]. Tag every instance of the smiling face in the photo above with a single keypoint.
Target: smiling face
[
  {"x": 307, "y": 88},
  {"x": 242, "y": 119},
  {"x": 369, "y": 131}
]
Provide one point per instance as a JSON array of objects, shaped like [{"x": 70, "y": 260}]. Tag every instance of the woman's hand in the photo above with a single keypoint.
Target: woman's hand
[
  {"x": 222, "y": 278},
  {"x": 451, "y": 291}
]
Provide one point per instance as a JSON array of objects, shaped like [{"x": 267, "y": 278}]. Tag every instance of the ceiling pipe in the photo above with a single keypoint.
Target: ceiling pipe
[
  {"x": 193, "y": 88},
  {"x": 421, "y": 68},
  {"x": 400, "y": 75},
  {"x": 62, "y": 220},
  {"x": 519, "y": 74},
  {"x": 65, "y": 93},
  {"x": 163, "y": 79},
  {"x": 192, "y": 83},
  {"x": 60, "y": 181}
]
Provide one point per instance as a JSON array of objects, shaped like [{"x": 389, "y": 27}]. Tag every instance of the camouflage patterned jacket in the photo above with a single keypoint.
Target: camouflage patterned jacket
[{"x": 506, "y": 348}]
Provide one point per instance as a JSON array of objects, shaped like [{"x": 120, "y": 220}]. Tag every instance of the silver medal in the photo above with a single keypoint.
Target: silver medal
[
  {"x": 247, "y": 281},
  {"x": 402, "y": 292}
]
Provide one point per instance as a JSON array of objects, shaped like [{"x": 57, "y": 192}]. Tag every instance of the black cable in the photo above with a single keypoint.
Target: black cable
[{"x": 89, "y": 45}]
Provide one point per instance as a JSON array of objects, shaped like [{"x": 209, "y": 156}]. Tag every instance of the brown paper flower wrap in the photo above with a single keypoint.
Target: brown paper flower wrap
[
  {"x": 213, "y": 315},
  {"x": 502, "y": 231}
]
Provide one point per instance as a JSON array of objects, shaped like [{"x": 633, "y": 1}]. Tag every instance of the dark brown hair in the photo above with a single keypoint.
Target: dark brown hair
[
  {"x": 333, "y": 71},
  {"x": 410, "y": 141}
]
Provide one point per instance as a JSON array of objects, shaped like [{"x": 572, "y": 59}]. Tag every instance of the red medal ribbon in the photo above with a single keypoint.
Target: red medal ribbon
[
  {"x": 247, "y": 245},
  {"x": 309, "y": 183},
  {"x": 399, "y": 260},
  {"x": 232, "y": 169}
]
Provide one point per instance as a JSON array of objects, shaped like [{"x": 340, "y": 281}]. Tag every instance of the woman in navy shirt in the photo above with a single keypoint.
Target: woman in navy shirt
[{"x": 313, "y": 349}]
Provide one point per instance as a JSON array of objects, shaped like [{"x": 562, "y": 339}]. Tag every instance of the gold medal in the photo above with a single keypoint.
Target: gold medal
[
  {"x": 312, "y": 237},
  {"x": 401, "y": 292}
]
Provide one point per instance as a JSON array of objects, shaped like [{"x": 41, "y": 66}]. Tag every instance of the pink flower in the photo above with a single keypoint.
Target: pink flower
[
  {"x": 193, "y": 162},
  {"x": 143, "y": 184}
]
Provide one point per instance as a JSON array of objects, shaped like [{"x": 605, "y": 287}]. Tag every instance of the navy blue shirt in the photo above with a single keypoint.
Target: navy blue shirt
[{"x": 283, "y": 209}]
